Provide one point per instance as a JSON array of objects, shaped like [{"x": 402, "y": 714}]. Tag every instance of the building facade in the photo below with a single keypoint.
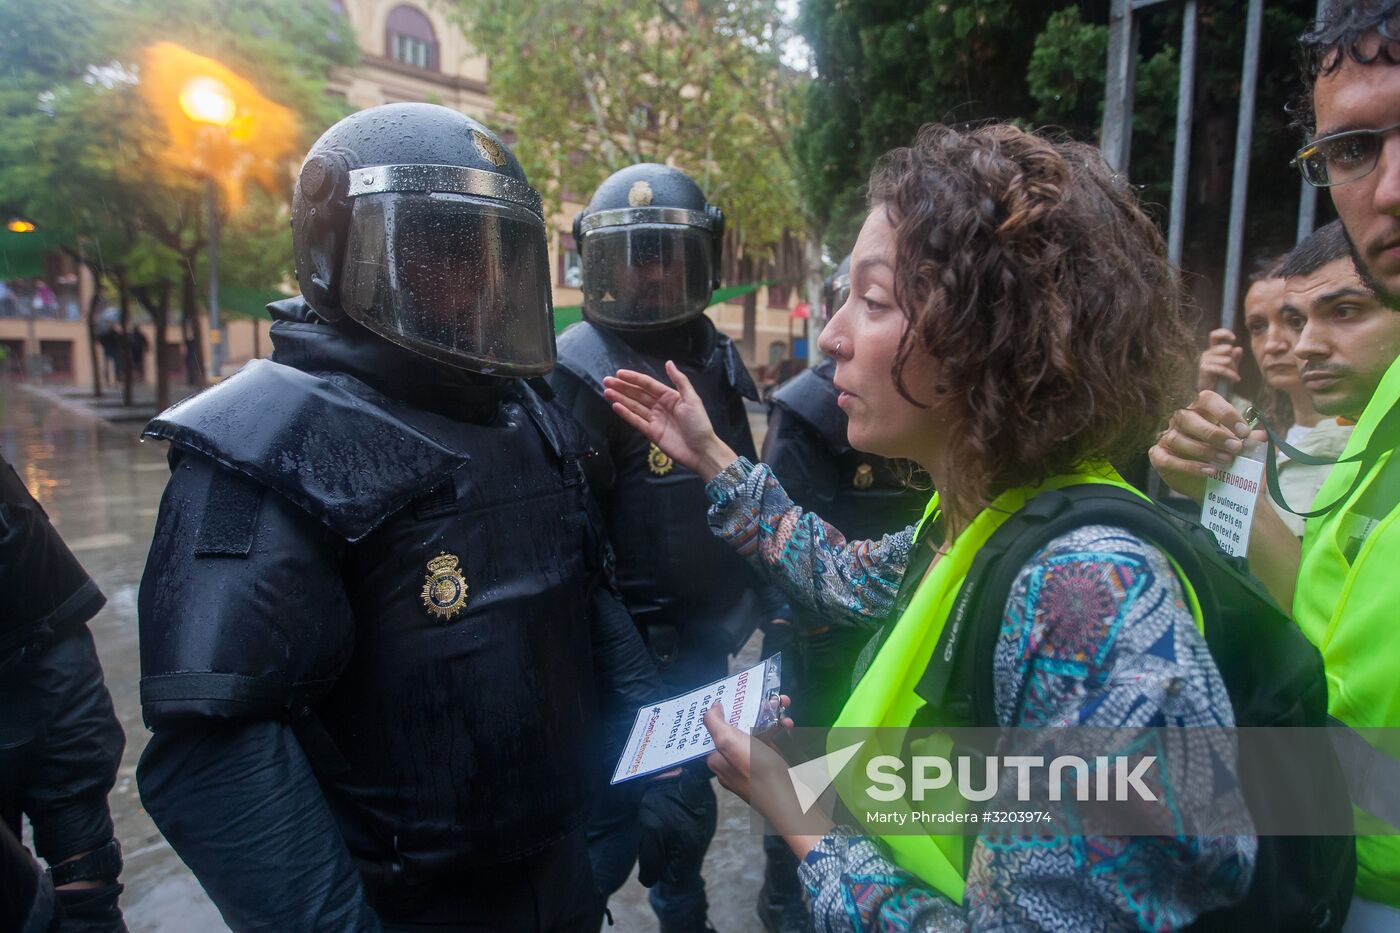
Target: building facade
[{"x": 409, "y": 52}]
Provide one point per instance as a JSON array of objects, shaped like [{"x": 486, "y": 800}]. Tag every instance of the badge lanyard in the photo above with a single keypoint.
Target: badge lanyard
[{"x": 1384, "y": 439}]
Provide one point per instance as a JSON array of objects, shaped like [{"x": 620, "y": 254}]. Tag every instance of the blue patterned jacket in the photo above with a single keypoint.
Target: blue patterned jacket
[{"x": 1096, "y": 632}]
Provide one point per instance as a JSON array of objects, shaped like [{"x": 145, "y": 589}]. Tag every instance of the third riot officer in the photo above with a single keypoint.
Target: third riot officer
[{"x": 650, "y": 246}]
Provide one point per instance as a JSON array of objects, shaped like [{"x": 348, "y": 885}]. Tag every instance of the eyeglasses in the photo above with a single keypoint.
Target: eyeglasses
[{"x": 1341, "y": 157}]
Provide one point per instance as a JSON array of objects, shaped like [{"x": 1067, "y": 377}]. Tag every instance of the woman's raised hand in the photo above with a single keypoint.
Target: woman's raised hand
[
  {"x": 672, "y": 419},
  {"x": 1221, "y": 360}
]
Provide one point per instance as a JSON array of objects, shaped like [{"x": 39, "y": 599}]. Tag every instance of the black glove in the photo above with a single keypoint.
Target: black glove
[{"x": 678, "y": 819}]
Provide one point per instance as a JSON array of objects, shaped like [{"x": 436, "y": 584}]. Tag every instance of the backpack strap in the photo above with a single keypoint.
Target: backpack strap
[{"x": 958, "y": 684}]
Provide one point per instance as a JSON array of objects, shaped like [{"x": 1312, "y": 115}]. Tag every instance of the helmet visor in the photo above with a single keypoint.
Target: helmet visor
[
  {"x": 646, "y": 276},
  {"x": 458, "y": 278},
  {"x": 837, "y": 293}
]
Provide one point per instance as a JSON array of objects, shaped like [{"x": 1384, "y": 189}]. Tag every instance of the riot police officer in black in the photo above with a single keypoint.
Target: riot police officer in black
[
  {"x": 862, "y": 495},
  {"x": 375, "y": 610},
  {"x": 60, "y": 741},
  {"x": 650, "y": 247}
]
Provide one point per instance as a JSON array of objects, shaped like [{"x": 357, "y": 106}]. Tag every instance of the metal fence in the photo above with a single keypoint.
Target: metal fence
[{"x": 1118, "y": 121}]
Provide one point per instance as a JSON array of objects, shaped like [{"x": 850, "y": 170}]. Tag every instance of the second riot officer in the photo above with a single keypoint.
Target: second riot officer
[
  {"x": 373, "y": 612},
  {"x": 863, "y": 496},
  {"x": 650, "y": 246}
]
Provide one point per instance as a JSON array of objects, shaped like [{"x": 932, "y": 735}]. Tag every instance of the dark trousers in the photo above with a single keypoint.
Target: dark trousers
[{"x": 612, "y": 846}]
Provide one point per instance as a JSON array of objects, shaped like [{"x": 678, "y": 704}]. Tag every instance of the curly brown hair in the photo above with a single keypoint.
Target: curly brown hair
[{"x": 1029, "y": 272}]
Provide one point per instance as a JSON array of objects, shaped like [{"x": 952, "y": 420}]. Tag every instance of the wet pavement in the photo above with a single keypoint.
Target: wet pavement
[{"x": 101, "y": 487}]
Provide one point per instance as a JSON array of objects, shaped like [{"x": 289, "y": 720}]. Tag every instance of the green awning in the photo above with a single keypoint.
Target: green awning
[
  {"x": 22, "y": 254},
  {"x": 572, "y": 314},
  {"x": 563, "y": 317},
  {"x": 734, "y": 291},
  {"x": 242, "y": 302}
]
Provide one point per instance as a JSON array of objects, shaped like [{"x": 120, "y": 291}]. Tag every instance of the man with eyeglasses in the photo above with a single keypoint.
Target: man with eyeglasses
[{"x": 1339, "y": 584}]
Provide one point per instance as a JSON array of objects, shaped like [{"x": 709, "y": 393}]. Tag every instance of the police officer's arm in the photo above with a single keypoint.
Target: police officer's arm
[
  {"x": 72, "y": 771},
  {"x": 55, "y": 708},
  {"x": 626, "y": 673},
  {"x": 239, "y": 803},
  {"x": 242, "y": 614},
  {"x": 1203, "y": 437}
]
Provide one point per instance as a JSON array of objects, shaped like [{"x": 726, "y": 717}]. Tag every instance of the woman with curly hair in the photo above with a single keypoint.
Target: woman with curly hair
[{"x": 1013, "y": 326}]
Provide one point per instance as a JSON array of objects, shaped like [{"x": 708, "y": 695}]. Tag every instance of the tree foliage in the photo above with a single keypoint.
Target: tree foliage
[
  {"x": 884, "y": 67},
  {"x": 594, "y": 87},
  {"x": 81, "y": 155}
]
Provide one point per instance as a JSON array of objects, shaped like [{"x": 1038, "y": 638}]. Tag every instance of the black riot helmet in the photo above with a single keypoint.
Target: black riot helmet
[
  {"x": 836, "y": 289},
  {"x": 650, "y": 247},
  {"x": 418, "y": 222}
]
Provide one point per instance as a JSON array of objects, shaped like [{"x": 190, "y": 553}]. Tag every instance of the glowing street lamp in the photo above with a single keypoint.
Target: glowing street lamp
[
  {"x": 207, "y": 100},
  {"x": 219, "y": 125}
]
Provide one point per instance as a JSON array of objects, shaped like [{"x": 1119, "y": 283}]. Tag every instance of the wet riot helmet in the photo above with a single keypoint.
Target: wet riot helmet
[
  {"x": 417, "y": 222},
  {"x": 650, "y": 247},
  {"x": 836, "y": 290}
]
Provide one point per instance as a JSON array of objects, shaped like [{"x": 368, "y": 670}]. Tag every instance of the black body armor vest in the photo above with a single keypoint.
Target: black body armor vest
[
  {"x": 672, "y": 572},
  {"x": 409, "y": 586}
]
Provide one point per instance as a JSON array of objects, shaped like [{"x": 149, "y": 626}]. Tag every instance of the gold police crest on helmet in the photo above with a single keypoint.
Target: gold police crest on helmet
[
  {"x": 864, "y": 478},
  {"x": 658, "y": 462},
  {"x": 489, "y": 148},
  {"x": 639, "y": 195},
  {"x": 444, "y": 589}
]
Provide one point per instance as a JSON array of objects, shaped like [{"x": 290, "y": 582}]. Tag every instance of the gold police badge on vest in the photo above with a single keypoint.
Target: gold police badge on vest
[
  {"x": 445, "y": 589},
  {"x": 658, "y": 462},
  {"x": 864, "y": 478}
]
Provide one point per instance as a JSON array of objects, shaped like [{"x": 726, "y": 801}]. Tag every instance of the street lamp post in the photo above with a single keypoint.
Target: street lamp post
[
  {"x": 31, "y": 359},
  {"x": 207, "y": 100},
  {"x": 216, "y": 335}
]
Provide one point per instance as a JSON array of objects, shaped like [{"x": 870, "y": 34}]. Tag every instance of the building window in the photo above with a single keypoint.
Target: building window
[
  {"x": 58, "y": 357},
  {"x": 570, "y": 262},
  {"x": 778, "y": 296},
  {"x": 409, "y": 38}
]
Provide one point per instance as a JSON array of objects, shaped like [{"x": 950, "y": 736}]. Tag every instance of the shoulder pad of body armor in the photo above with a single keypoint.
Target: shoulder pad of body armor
[
  {"x": 734, "y": 369},
  {"x": 810, "y": 397},
  {"x": 328, "y": 443}
]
